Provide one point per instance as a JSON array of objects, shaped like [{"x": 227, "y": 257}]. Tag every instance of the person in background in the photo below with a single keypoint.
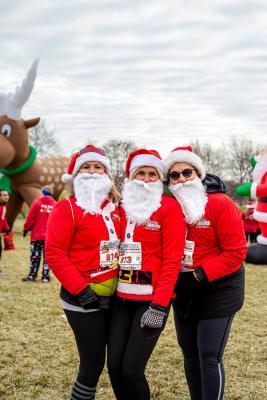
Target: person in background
[
  {"x": 210, "y": 288},
  {"x": 153, "y": 237},
  {"x": 82, "y": 250},
  {"x": 4, "y": 227},
  {"x": 36, "y": 223},
  {"x": 251, "y": 226}
]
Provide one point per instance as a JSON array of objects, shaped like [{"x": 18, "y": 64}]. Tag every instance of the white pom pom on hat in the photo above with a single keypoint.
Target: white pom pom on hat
[
  {"x": 184, "y": 154},
  {"x": 88, "y": 153}
]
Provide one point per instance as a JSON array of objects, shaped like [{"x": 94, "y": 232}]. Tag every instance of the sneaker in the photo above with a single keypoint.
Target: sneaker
[
  {"x": 29, "y": 278},
  {"x": 45, "y": 280},
  {"x": 2, "y": 272}
]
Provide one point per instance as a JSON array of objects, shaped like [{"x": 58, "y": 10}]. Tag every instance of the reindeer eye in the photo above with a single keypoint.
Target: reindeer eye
[{"x": 6, "y": 130}]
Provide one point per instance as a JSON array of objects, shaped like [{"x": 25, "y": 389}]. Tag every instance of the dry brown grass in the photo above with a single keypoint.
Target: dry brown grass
[{"x": 38, "y": 358}]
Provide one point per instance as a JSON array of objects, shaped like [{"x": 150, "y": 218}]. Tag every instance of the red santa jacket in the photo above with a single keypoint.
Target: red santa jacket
[
  {"x": 3, "y": 222},
  {"x": 73, "y": 242},
  {"x": 162, "y": 240},
  {"x": 259, "y": 190},
  {"x": 220, "y": 242},
  {"x": 37, "y": 217}
]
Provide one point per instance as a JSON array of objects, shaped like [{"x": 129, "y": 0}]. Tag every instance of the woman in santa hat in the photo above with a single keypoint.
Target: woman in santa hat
[
  {"x": 210, "y": 288},
  {"x": 153, "y": 237},
  {"x": 251, "y": 226},
  {"x": 82, "y": 249}
]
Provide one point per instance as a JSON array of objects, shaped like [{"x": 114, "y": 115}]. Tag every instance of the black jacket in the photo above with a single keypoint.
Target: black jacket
[{"x": 213, "y": 184}]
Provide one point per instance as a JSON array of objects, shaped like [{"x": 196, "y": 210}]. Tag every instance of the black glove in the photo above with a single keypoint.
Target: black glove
[
  {"x": 104, "y": 302},
  {"x": 87, "y": 298},
  {"x": 24, "y": 233},
  {"x": 200, "y": 275},
  {"x": 154, "y": 316}
]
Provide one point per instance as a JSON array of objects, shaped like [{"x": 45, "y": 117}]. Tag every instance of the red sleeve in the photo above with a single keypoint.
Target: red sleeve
[
  {"x": 231, "y": 238},
  {"x": 5, "y": 226},
  {"x": 59, "y": 237},
  {"x": 31, "y": 216},
  {"x": 173, "y": 241}
]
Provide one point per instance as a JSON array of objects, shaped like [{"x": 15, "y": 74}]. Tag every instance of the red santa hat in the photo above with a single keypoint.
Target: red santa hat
[
  {"x": 144, "y": 158},
  {"x": 88, "y": 153},
  {"x": 185, "y": 154},
  {"x": 250, "y": 204}
]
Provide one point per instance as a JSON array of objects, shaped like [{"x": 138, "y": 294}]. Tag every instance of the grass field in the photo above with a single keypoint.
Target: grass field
[{"x": 38, "y": 358}]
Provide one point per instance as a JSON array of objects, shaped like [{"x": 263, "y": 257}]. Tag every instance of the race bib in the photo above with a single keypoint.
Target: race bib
[
  {"x": 109, "y": 253},
  {"x": 188, "y": 253},
  {"x": 130, "y": 257}
]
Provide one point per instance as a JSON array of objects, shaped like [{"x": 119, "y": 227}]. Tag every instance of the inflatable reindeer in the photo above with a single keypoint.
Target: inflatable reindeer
[{"x": 18, "y": 160}]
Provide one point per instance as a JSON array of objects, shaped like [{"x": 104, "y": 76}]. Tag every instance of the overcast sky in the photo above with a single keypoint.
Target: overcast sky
[{"x": 160, "y": 73}]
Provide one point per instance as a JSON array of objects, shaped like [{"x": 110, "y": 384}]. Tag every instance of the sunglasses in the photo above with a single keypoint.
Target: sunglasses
[{"x": 186, "y": 173}]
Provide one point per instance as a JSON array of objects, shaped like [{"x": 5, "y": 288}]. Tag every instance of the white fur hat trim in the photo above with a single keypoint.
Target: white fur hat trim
[
  {"x": 184, "y": 156},
  {"x": 147, "y": 160},
  {"x": 82, "y": 159}
]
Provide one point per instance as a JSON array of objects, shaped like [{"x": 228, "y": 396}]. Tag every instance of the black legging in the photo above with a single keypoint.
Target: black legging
[
  {"x": 203, "y": 343},
  {"x": 37, "y": 249},
  {"x": 90, "y": 330},
  {"x": 251, "y": 237},
  {"x": 129, "y": 349}
]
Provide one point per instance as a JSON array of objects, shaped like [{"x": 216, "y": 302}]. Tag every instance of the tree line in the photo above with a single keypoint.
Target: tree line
[{"x": 230, "y": 161}]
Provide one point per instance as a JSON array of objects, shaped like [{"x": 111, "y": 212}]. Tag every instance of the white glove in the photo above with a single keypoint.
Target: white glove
[{"x": 153, "y": 317}]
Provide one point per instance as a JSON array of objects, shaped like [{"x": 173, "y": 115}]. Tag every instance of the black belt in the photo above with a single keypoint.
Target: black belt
[
  {"x": 262, "y": 199},
  {"x": 137, "y": 277}
]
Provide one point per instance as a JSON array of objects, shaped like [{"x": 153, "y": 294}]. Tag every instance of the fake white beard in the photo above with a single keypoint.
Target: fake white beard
[
  {"x": 91, "y": 190},
  {"x": 260, "y": 168},
  {"x": 141, "y": 199},
  {"x": 192, "y": 197}
]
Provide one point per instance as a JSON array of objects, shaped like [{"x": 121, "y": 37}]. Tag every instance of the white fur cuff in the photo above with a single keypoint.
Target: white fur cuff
[
  {"x": 262, "y": 240},
  {"x": 253, "y": 190}
]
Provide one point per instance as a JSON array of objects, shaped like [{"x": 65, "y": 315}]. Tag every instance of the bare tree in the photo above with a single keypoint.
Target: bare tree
[
  {"x": 213, "y": 159},
  {"x": 118, "y": 151},
  {"x": 44, "y": 140},
  {"x": 240, "y": 151}
]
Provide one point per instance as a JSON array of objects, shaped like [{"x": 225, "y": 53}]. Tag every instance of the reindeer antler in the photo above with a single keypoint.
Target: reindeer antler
[
  {"x": 12, "y": 103},
  {"x": 3, "y": 104}
]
